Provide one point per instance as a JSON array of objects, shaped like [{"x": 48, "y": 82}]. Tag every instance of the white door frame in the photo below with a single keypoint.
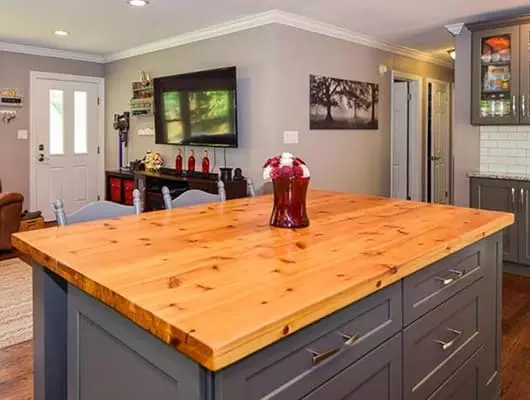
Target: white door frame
[
  {"x": 450, "y": 87},
  {"x": 415, "y": 147},
  {"x": 100, "y": 82}
]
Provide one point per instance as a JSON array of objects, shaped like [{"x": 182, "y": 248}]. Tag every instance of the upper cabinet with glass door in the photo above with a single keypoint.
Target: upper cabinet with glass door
[{"x": 496, "y": 96}]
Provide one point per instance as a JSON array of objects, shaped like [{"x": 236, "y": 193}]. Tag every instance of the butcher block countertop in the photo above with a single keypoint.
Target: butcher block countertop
[{"x": 218, "y": 283}]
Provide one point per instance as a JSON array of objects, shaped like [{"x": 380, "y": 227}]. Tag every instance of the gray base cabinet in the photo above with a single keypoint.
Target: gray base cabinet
[
  {"x": 508, "y": 196},
  {"x": 433, "y": 335}
]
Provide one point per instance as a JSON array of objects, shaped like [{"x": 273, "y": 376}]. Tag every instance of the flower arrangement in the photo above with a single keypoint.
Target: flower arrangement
[
  {"x": 285, "y": 165},
  {"x": 153, "y": 161},
  {"x": 290, "y": 177}
]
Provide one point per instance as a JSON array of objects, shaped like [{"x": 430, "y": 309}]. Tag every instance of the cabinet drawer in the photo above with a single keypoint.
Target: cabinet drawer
[
  {"x": 292, "y": 367},
  {"x": 431, "y": 286},
  {"x": 439, "y": 342},
  {"x": 376, "y": 376},
  {"x": 464, "y": 383}
]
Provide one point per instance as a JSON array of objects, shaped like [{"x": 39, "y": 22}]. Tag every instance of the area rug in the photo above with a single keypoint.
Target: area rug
[{"x": 16, "y": 306}]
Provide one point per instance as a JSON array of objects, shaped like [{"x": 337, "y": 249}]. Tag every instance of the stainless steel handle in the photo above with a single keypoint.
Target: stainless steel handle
[
  {"x": 522, "y": 199},
  {"x": 350, "y": 339},
  {"x": 319, "y": 357},
  {"x": 523, "y": 106},
  {"x": 513, "y": 199},
  {"x": 447, "y": 345},
  {"x": 514, "y": 106},
  {"x": 448, "y": 280}
]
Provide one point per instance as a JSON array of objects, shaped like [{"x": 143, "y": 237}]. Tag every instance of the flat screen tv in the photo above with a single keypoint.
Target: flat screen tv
[{"x": 197, "y": 109}]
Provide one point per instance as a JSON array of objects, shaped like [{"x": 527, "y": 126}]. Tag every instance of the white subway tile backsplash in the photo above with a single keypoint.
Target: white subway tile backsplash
[
  {"x": 489, "y": 128},
  {"x": 489, "y": 143},
  {"x": 505, "y": 149}
]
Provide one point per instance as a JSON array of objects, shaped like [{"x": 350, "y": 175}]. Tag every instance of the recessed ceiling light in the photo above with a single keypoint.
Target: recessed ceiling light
[
  {"x": 61, "y": 33},
  {"x": 138, "y": 3}
]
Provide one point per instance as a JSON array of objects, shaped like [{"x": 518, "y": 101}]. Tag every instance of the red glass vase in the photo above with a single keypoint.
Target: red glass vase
[{"x": 290, "y": 209}]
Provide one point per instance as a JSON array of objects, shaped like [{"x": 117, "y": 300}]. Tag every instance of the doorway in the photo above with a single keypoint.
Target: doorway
[
  {"x": 406, "y": 145},
  {"x": 66, "y": 141},
  {"x": 438, "y": 142}
]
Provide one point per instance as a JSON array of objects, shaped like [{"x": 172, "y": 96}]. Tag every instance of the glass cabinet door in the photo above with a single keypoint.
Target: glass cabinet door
[
  {"x": 496, "y": 95},
  {"x": 525, "y": 74}
]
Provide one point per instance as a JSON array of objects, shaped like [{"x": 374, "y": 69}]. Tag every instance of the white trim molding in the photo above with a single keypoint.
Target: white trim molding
[
  {"x": 282, "y": 18},
  {"x": 252, "y": 21},
  {"x": 47, "y": 52}
]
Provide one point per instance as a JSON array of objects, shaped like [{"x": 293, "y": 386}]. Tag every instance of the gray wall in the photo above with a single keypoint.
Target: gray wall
[
  {"x": 253, "y": 52},
  {"x": 274, "y": 63},
  {"x": 351, "y": 161},
  {"x": 466, "y": 138},
  {"x": 14, "y": 73}
]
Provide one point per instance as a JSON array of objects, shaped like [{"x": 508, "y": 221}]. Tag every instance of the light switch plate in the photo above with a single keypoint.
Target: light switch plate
[
  {"x": 290, "y": 137},
  {"x": 22, "y": 134}
]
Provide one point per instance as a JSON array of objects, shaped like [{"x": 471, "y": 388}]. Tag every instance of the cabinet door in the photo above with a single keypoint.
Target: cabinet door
[
  {"x": 375, "y": 376},
  {"x": 499, "y": 195},
  {"x": 524, "y": 222},
  {"x": 524, "y": 74},
  {"x": 495, "y": 91}
]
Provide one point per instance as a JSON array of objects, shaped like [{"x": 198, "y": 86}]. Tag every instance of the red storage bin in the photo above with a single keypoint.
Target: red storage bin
[
  {"x": 129, "y": 188},
  {"x": 115, "y": 190}
]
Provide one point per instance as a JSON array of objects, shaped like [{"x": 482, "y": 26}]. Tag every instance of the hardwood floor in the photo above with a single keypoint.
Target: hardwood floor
[
  {"x": 516, "y": 338},
  {"x": 16, "y": 370}
]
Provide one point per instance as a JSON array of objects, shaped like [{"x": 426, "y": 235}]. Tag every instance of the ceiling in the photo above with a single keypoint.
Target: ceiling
[{"x": 109, "y": 26}]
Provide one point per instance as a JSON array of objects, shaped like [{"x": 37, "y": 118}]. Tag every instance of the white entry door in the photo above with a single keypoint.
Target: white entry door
[
  {"x": 400, "y": 141},
  {"x": 440, "y": 141},
  {"x": 65, "y": 125}
]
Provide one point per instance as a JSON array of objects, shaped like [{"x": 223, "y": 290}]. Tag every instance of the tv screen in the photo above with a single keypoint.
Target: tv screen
[{"x": 197, "y": 109}]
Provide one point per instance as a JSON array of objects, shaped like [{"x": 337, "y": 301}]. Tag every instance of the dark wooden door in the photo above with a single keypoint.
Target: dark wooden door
[
  {"x": 495, "y": 75},
  {"x": 499, "y": 195}
]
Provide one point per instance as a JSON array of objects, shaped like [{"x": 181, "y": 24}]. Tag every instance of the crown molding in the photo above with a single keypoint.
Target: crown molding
[
  {"x": 282, "y": 18},
  {"x": 311, "y": 25},
  {"x": 238, "y": 25},
  {"x": 47, "y": 52}
]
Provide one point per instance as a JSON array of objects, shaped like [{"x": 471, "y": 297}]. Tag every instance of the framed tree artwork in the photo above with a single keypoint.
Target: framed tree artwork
[{"x": 342, "y": 104}]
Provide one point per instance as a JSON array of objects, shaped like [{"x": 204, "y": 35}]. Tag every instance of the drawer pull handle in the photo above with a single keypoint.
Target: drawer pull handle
[
  {"x": 447, "y": 281},
  {"x": 349, "y": 339},
  {"x": 319, "y": 357},
  {"x": 447, "y": 345}
]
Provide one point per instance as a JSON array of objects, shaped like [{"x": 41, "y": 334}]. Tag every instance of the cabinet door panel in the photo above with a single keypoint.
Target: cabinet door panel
[
  {"x": 499, "y": 195},
  {"x": 495, "y": 96},
  {"x": 525, "y": 73},
  {"x": 375, "y": 376},
  {"x": 524, "y": 223}
]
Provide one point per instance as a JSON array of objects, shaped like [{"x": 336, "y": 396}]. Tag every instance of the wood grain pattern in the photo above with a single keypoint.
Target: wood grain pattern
[{"x": 218, "y": 283}]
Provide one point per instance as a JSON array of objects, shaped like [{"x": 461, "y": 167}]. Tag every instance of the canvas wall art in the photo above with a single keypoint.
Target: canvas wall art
[{"x": 342, "y": 104}]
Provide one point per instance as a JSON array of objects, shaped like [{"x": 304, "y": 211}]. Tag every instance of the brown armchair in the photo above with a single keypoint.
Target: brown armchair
[{"x": 10, "y": 213}]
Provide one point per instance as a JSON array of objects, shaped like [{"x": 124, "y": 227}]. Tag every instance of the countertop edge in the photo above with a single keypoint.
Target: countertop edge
[{"x": 240, "y": 348}]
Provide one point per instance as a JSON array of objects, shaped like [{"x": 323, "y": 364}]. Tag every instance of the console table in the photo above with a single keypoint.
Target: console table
[{"x": 120, "y": 185}]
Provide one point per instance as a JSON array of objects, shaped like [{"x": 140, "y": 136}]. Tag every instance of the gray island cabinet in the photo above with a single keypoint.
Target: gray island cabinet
[{"x": 419, "y": 330}]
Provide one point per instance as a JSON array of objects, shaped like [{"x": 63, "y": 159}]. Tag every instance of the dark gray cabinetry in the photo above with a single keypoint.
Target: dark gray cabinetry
[
  {"x": 446, "y": 347},
  {"x": 501, "y": 72},
  {"x": 376, "y": 376},
  {"x": 501, "y": 195},
  {"x": 523, "y": 216},
  {"x": 496, "y": 92}
]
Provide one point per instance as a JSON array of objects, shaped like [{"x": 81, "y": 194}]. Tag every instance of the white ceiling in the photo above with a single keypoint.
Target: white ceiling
[{"x": 109, "y": 26}]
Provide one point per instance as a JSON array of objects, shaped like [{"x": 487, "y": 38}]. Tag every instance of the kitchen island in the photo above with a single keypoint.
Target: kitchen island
[{"x": 376, "y": 299}]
